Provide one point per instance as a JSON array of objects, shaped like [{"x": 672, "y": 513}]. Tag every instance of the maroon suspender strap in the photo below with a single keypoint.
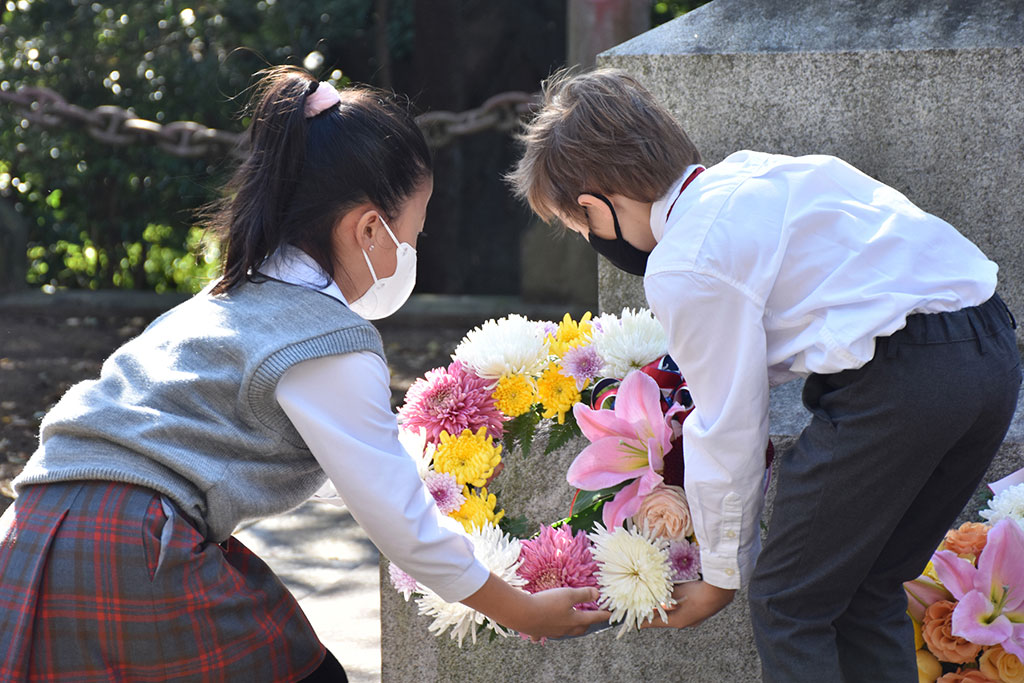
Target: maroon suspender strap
[{"x": 686, "y": 182}]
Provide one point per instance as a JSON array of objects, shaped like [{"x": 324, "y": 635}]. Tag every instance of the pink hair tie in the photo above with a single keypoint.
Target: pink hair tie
[{"x": 324, "y": 97}]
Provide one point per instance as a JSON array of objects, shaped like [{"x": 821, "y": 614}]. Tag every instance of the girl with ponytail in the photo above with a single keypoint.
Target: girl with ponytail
[{"x": 117, "y": 557}]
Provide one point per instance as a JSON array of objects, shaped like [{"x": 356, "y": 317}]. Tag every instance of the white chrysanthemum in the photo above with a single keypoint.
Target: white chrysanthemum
[
  {"x": 499, "y": 553},
  {"x": 634, "y": 574},
  {"x": 1007, "y": 504},
  {"x": 512, "y": 345},
  {"x": 629, "y": 342},
  {"x": 414, "y": 441}
]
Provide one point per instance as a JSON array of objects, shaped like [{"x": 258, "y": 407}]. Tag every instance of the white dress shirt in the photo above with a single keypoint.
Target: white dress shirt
[
  {"x": 768, "y": 268},
  {"x": 341, "y": 406}
]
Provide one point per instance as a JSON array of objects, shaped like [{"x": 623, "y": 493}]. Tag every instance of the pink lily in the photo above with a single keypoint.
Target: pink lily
[
  {"x": 922, "y": 593},
  {"x": 990, "y": 610},
  {"x": 628, "y": 442}
]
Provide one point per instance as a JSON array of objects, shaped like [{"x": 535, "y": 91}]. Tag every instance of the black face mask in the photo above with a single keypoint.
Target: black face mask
[{"x": 621, "y": 253}]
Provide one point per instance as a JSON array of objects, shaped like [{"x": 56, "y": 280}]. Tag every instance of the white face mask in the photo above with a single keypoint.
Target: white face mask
[{"x": 386, "y": 295}]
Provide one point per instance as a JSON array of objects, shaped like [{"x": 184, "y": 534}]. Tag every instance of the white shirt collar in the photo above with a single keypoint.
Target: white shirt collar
[
  {"x": 296, "y": 267},
  {"x": 659, "y": 209}
]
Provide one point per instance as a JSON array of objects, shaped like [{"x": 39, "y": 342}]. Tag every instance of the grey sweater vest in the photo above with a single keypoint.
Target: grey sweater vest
[{"x": 187, "y": 408}]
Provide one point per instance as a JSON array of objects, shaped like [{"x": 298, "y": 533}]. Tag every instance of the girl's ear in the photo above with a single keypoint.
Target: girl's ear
[{"x": 360, "y": 225}]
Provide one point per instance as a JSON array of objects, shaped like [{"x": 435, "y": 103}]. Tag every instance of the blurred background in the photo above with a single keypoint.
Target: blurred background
[{"x": 88, "y": 201}]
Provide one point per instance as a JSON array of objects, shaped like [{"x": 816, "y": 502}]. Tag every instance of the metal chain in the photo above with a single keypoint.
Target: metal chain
[{"x": 117, "y": 126}]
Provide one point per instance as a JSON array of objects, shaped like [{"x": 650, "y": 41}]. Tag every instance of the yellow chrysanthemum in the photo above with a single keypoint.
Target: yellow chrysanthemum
[
  {"x": 469, "y": 457},
  {"x": 918, "y": 636},
  {"x": 570, "y": 333},
  {"x": 557, "y": 393},
  {"x": 514, "y": 394},
  {"x": 929, "y": 571},
  {"x": 478, "y": 510}
]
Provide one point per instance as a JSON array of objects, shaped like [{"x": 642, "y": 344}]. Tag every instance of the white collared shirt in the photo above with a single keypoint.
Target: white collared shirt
[
  {"x": 341, "y": 406},
  {"x": 769, "y": 268}
]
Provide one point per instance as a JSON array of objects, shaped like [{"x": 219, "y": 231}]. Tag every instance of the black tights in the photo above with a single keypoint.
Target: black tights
[{"x": 329, "y": 671}]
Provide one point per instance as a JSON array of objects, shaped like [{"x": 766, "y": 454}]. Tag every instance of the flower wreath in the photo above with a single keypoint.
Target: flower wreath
[{"x": 628, "y": 531}]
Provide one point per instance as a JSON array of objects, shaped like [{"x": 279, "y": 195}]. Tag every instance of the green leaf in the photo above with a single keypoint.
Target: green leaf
[
  {"x": 519, "y": 431},
  {"x": 562, "y": 434},
  {"x": 517, "y": 527},
  {"x": 53, "y": 199},
  {"x": 587, "y": 499},
  {"x": 588, "y": 508}
]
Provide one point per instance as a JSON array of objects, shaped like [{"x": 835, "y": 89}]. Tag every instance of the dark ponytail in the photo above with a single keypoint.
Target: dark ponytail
[{"x": 302, "y": 174}]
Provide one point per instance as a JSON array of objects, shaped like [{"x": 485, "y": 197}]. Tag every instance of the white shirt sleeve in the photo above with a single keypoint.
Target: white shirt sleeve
[
  {"x": 717, "y": 337},
  {"x": 340, "y": 405}
]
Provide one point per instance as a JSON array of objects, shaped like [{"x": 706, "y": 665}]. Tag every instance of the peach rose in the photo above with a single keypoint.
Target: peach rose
[
  {"x": 969, "y": 539},
  {"x": 665, "y": 511},
  {"x": 1000, "y": 665},
  {"x": 938, "y": 635}
]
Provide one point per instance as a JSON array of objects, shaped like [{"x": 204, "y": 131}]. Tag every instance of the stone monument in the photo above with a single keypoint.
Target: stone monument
[{"x": 926, "y": 96}]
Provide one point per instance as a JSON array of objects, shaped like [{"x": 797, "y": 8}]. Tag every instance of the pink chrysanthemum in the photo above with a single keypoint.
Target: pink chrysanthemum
[
  {"x": 451, "y": 399},
  {"x": 583, "y": 364},
  {"x": 684, "y": 557},
  {"x": 402, "y": 582},
  {"x": 557, "y": 558},
  {"x": 446, "y": 491}
]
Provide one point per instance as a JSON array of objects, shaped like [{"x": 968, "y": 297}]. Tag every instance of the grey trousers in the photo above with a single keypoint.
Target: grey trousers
[{"x": 893, "y": 452}]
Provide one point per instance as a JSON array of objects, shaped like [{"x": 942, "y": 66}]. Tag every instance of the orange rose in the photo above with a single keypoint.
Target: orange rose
[
  {"x": 665, "y": 511},
  {"x": 1000, "y": 665},
  {"x": 938, "y": 635},
  {"x": 969, "y": 539}
]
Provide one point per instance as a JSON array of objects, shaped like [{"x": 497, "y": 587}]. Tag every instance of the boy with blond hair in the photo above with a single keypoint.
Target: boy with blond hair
[{"x": 764, "y": 268}]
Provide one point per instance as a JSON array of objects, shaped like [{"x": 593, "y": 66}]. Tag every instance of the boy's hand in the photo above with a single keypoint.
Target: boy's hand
[{"x": 696, "y": 601}]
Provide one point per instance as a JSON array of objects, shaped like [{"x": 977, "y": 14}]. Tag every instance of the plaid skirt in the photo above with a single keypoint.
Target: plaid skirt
[{"x": 103, "y": 581}]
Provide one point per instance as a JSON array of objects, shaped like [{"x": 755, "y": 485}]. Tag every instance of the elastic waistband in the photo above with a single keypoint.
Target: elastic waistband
[{"x": 974, "y": 322}]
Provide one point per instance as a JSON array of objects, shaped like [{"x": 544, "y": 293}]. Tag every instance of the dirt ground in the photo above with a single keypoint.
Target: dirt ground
[{"x": 45, "y": 351}]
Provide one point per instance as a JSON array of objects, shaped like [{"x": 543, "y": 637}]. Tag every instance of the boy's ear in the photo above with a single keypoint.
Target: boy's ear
[{"x": 598, "y": 213}]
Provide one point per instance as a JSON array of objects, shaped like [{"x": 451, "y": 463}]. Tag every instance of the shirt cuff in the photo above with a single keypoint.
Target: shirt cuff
[
  {"x": 730, "y": 564},
  {"x": 723, "y": 572},
  {"x": 731, "y": 571}
]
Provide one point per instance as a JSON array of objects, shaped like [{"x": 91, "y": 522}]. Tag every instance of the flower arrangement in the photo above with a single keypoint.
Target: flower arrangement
[
  {"x": 628, "y": 531},
  {"x": 968, "y": 606}
]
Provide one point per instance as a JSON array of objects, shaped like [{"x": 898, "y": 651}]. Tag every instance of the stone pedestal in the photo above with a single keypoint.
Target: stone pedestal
[
  {"x": 722, "y": 649},
  {"x": 925, "y": 96}
]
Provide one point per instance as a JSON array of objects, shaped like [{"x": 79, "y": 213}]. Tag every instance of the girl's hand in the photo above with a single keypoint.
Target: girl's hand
[
  {"x": 553, "y": 613},
  {"x": 548, "y": 614},
  {"x": 696, "y": 601}
]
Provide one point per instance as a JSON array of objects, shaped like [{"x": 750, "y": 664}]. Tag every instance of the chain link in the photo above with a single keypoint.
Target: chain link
[{"x": 117, "y": 126}]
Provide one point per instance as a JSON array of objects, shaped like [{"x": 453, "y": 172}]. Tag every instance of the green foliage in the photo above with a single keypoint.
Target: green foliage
[
  {"x": 588, "y": 507},
  {"x": 561, "y": 434},
  {"x": 666, "y": 11},
  {"x": 517, "y": 527},
  {"x": 123, "y": 216},
  {"x": 519, "y": 431}
]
